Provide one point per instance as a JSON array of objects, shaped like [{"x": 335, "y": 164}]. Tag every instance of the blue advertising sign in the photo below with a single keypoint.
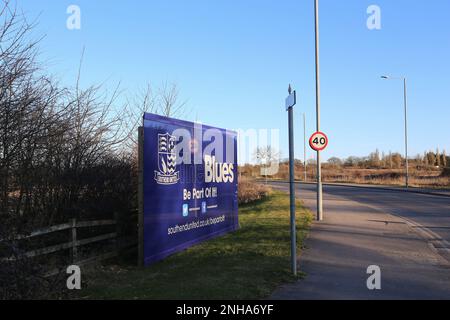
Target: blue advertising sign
[{"x": 190, "y": 185}]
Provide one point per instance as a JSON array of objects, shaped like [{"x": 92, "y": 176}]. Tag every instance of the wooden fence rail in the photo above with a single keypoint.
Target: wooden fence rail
[{"x": 74, "y": 243}]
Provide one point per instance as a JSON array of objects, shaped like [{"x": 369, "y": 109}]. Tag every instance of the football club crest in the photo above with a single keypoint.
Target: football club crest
[{"x": 167, "y": 160}]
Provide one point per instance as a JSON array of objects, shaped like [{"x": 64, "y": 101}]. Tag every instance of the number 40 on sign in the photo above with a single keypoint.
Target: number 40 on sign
[{"x": 318, "y": 141}]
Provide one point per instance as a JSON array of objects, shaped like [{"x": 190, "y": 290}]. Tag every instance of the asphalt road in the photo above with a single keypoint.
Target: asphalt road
[{"x": 406, "y": 234}]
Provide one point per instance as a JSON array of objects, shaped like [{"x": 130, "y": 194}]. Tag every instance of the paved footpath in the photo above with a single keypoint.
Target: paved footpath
[{"x": 355, "y": 235}]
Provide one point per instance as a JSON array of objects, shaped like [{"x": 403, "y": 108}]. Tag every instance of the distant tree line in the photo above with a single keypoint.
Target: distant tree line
[
  {"x": 265, "y": 157},
  {"x": 392, "y": 160}
]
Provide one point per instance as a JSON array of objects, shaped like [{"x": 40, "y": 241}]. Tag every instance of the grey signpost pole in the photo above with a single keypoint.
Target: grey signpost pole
[
  {"x": 319, "y": 166},
  {"x": 290, "y": 103}
]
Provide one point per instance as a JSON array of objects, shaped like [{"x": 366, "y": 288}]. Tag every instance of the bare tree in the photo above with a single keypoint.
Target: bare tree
[
  {"x": 64, "y": 152},
  {"x": 170, "y": 104},
  {"x": 444, "y": 158},
  {"x": 163, "y": 100},
  {"x": 267, "y": 157},
  {"x": 336, "y": 162},
  {"x": 30, "y": 118},
  {"x": 438, "y": 158},
  {"x": 145, "y": 100}
]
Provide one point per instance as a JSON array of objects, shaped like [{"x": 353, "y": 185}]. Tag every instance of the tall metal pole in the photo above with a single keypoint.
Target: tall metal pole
[
  {"x": 304, "y": 148},
  {"x": 406, "y": 131},
  {"x": 405, "y": 96},
  {"x": 319, "y": 166},
  {"x": 292, "y": 192}
]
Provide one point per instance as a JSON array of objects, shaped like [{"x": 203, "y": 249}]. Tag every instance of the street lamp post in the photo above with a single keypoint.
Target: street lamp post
[
  {"x": 319, "y": 166},
  {"x": 405, "y": 97}
]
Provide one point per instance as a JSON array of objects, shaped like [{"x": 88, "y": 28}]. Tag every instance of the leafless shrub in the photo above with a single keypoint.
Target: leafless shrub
[
  {"x": 64, "y": 152},
  {"x": 61, "y": 155},
  {"x": 250, "y": 191}
]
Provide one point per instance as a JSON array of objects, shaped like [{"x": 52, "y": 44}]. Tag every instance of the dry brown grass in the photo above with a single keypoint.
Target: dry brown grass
[
  {"x": 418, "y": 178},
  {"x": 423, "y": 178}
]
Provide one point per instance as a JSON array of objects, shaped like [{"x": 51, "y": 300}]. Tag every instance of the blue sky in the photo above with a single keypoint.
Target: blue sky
[{"x": 233, "y": 61}]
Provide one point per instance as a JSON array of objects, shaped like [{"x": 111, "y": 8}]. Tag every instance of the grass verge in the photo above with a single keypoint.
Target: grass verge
[{"x": 247, "y": 264}]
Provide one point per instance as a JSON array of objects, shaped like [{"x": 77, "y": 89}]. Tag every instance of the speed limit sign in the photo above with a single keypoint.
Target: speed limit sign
[{"x": 318, "y": 141}]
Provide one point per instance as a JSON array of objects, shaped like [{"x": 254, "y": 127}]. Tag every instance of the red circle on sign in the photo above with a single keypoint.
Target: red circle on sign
[{"x": 315, "y": 146}]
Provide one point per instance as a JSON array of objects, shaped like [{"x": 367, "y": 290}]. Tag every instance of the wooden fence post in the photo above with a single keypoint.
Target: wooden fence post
[{"x": 74, "y": 241}]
